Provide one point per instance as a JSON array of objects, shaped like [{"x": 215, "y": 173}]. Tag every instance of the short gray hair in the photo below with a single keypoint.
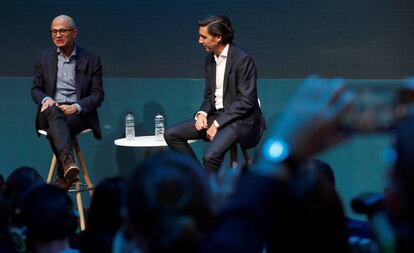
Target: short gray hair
[{"x": 67, "y": 18}]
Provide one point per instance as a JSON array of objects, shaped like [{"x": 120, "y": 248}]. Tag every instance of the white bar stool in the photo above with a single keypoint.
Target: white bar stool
[{"x": 78, "y": 159}]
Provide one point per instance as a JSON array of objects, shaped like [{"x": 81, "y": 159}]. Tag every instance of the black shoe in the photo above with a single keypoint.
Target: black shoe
[{"x": 70, "y": 170}]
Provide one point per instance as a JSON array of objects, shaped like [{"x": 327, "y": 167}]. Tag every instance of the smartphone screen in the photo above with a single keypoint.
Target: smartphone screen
[{"x": 375, "y": 108}]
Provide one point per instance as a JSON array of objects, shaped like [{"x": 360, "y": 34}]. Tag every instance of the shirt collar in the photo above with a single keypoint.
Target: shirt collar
[
  {"x": 223, "y": 54},
  {"x": 73, "y": 51}
]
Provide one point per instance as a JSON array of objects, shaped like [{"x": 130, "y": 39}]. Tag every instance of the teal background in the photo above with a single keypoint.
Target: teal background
[{"x": 358, "y": 163}]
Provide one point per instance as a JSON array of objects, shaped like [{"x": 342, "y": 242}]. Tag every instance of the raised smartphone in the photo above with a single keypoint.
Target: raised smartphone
[{"x": 377, "y": 107}]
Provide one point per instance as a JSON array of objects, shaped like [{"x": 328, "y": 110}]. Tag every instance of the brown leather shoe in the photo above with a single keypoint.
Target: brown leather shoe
[{"x": 70, "y": 170}]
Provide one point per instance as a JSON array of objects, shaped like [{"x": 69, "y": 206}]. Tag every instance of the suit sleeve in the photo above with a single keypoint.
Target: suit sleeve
[
  {"x": 96, "y": 93},
  {"x": 38, "y": 91},
  {"x": 246, "y": 77}
]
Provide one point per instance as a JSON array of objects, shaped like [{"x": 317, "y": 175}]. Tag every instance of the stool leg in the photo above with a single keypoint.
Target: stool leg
[
  {"x": 247, "y": 157},
  {"x": 80, "y": 207},
  {"x": 51, "y": 169},
  {"x": 147, "y": 153},
  {"x": 233, "y": 156},
  {"x": 83, "y": 166}
]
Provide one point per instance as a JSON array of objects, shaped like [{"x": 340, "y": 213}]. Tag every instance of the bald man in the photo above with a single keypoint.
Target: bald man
[{"x": 68, "y": 89}]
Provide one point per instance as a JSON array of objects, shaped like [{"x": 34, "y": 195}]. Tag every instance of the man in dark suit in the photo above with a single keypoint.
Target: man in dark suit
[
  {"x": 68, "y": 88},
  {"x": 230, "y": 112}
]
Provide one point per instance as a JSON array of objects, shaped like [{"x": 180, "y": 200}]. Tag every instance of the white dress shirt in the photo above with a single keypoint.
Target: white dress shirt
[
  {"x": 221, "y": 61},
  {"x": 220, "y": 69}
]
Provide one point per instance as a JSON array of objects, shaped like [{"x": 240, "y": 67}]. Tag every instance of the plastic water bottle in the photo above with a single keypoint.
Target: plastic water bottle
[
  {"x": 129, "y": 126},
  {"x": 159, "y": 125}
]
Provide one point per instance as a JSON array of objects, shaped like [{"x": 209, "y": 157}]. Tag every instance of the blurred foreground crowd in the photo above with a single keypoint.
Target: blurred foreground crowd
[{"x": 284, "y": 202}]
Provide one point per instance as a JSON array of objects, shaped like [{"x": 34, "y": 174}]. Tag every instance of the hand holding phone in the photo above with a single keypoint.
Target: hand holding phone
[{"x": 377, "y": 107}]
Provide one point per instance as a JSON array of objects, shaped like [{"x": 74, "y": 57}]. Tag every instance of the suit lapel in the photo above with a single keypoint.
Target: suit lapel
[
  {"x": 79, "y": 69},
  {"x": 212, "y": 76},
  {"x": 229, "y": 63},
  {"x": 213, "y": 72},
  {"x": 53, "y": 69}
]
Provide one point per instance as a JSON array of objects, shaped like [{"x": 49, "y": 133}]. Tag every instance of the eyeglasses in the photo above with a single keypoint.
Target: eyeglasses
[{"x": 54, "y": 32}]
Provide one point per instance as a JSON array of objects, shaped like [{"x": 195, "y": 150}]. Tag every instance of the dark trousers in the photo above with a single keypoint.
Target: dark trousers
[
  {"x": 177, "y": 135},
  {"x": 60, "y": 129}
]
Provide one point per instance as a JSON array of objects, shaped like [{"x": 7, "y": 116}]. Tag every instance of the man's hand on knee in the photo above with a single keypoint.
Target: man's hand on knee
[
  {"x": 68, "y": 109},
  {"x": 211, "y": 132},
  {"x": 201, "y": 122},
  {"x": 48, "y": 103}
]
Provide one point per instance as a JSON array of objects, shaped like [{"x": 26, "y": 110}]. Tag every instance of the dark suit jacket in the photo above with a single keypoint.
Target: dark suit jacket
[
  {"x": 241, "y": 108},
  {"x": 88, "y": 81}
]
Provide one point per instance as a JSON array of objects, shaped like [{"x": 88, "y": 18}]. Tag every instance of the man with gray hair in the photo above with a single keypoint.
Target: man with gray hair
[{"x": 68, "y": 89}]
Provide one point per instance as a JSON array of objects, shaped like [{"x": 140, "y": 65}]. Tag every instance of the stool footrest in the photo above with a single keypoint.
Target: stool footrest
[{"x": 81, "y": 190}]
